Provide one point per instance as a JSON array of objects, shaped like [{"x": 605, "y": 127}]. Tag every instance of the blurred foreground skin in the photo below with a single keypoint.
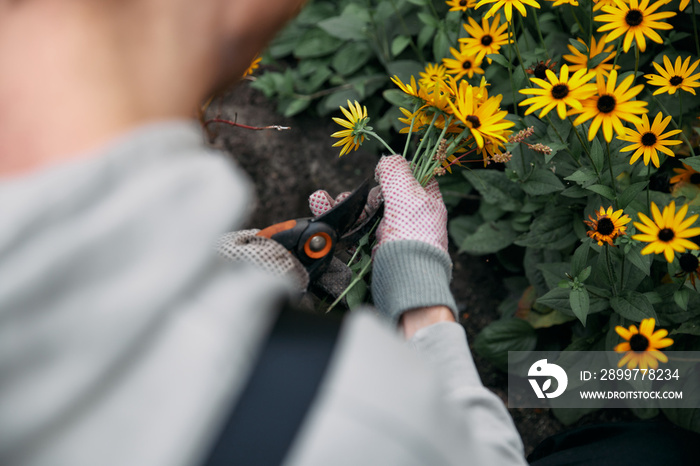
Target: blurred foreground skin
[{"x": 123, "y": 339}]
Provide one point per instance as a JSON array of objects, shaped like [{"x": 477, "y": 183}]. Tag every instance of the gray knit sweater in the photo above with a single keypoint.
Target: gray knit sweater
[{"x": 124, "y": 339}]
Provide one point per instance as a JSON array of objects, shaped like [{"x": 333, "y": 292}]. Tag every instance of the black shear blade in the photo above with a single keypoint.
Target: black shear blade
[{"x": 344, "y": 214}]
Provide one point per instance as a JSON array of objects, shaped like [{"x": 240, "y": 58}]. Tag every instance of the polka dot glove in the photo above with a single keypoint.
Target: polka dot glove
[
  {"x": 263, "y": 253},
  {"x": 411, "y": 212},
  {"x": 321, "y": 202}
]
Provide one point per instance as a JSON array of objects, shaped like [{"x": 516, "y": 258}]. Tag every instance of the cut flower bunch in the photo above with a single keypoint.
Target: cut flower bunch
[{"x": 576, "y": 126}]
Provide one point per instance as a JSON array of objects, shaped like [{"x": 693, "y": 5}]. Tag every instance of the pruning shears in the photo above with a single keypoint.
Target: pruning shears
[{"x": 314, "y": 240}]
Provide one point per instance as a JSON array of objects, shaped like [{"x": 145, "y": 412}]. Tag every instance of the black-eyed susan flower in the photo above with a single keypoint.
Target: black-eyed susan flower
[
  {"x": 668, "y": 232},
  {"x": 636, "y": 21},
  {"x": 685, "y": 175},
  {"x": 485, "y": 120},
  {"x": 507, "y": 6},
  {"x": 487, "y": 38},
  {"x": 461, "y": 5},
  {"x": 674, "y": 77},
  {"x": 607, "y": 225},
  {"x": 463, "y": 63},
  {"x": 690, "y": 267},
  {"x": 559, "y": 92},
  {"x": 580, "y": 60},
  {"x": 684, "y": 4},
  {"x": 433, "y": 72},
  {"x": 564, "y": 2},
  {"x": 611, "y": 105},
  {"x": 539, "y": 69},
  {"x": 642, "y": 346},
  {"x": 356, "y": 123},
  {"x": 253, "y": 66},
  {"x": 649, "y": 139}
]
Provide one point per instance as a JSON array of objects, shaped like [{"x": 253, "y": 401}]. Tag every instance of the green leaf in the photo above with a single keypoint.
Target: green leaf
[
  {"x": 681, "y": 298},
  {"x": 395, "y": 97},
  {"x": 352, "y": 24},
  {"x": 501, "y": 336},
  {"x": 582, "y": 176},
  {"x": 581, "y": 47},
  {"x": 580, "y": 304},
  {"x": 693, "y": 162},
  {"x": 630, "y": 193},
  {"x": 441, "y": 44},
  {"x": 691, "y": 327},
  {"x": 351, "y": 57},
  {"x": 495, "y": 188},
  {"x": 597, "y": 155},
  {"x": 488, "y": 238},
  {"x": 295, "y": 106},
  {"x": 585, "y": 273},
  {"x": 633, "y": 306},
  {"x": 404, "y": 69},
  {"x": 316, "y": 43},
  {"x": 605, "y": 191},
  {"x": 356, "y": 295},
  {"x": 580, "y": 258},
  {"x": 542, "y": 181},
  {"x": 643, "y": 263},
  {"x": 429, "y": 20},
  {"x": 498, "y": 58},
  {"x": 462, "y": 226},
  {"x": 399, "y": 44},
  {"x": 551, "y": 229}
]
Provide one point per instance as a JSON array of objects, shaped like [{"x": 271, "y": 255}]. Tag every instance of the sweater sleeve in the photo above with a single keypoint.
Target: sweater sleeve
[{"x": 482, "y": 415}]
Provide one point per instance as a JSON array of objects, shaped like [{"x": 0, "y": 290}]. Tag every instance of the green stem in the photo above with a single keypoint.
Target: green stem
[
  {"x": 522, "y": 29},
  {"x": 416, "y": 156},
  {"x": 695, "y": 29},
  {"x": 580, "y": 139},
  {"x": 517, "y": 52},
  {"x": 617, "y": 52},
  {"x": 610, "y": 271},
  {"x": 649, "y": 189},
  {"x": 573, "y": 12},
  {"x": 539, "y": 32},
  {"x": 622, "y": 273},
  {"x": 590, "y": 22},
  {"x": 373, "y": 134},
  {"x": 510, "y": 72},
  {"x": 682, "y": 134},
  {"x": 410, "y": 131},
  {"x": 612, "y": 176},
  {"x": 680, "y": 111},
  {"x": 428, "y": 165},
  {"x": 636, "y": 60}
]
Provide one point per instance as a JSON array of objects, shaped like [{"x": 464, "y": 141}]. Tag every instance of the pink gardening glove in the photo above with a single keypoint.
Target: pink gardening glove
[
  {"x": 321, "y": 202},
  {"x": 411, "y": 212}
]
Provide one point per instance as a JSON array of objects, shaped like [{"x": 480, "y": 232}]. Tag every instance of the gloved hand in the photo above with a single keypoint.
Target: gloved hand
[
  {"x": 321, "y": 202},
  {"x": 412, "y": 268},
  {"x": 411, "y": 212},
  {"x": 265, "y": 253}
]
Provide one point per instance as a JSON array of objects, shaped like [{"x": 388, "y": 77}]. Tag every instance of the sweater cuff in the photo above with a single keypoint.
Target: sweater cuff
[{"x": 411, "y": 274}]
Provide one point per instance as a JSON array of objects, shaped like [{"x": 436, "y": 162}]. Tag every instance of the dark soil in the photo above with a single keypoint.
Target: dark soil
[{"x": 287, "y": 166}]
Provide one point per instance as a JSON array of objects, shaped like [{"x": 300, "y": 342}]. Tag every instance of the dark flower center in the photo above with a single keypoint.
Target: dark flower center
[
  {"x": 462, "y": 2},
  {"x": 639, "y": 343},
  {"x": 541, "y": 70},
  {"x": 606, "y": 103},
  {"x": 695, "y": 178},
  {"x": 486, "y": 40},
  {"x": 666, "y": 235},
  {"x": 689, "y": 263},
  {"x": 467, "y": 64},
  {"x": 634, "y": 18},
  {"x": 560, "y": 91},
  {"x": 474, "y": 121},
  {"x": 676, "y": 80},
  {"x": 605, "y": 226},
  {"x": 649, "y": 139}
]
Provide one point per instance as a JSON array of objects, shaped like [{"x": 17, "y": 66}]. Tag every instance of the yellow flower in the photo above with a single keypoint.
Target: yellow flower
[
  {"x": 636, "y": 20},
  {"x": 463, "y": 63},
  {"x": 582, "y": 61},
  {"x": 485, "y": 39},
  {"x": 433, "y": 72},
  {"x": 685, "y": 175},
  {"x": 484, "y": 120},
  {"x": 642, "y": 346},
  {"x": 253, "y": 66},
  {"x": 611, "y": 105},
  {"x": 668, "y": 232},
  {"x": 559, "y": 92},
  {"x": 508, "y": 7},
  {"x": 460, "y": 5},
  {"x": 649, "y": 139},
  {"x": 674, "y": 77},
  {"x": 564, "y": 2},
  {"x": 690, "y": 268},
  {"x": 607, "y": 226},
  {"x": 684, "y": 4},
  {"x": 352, "y": 136}
]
